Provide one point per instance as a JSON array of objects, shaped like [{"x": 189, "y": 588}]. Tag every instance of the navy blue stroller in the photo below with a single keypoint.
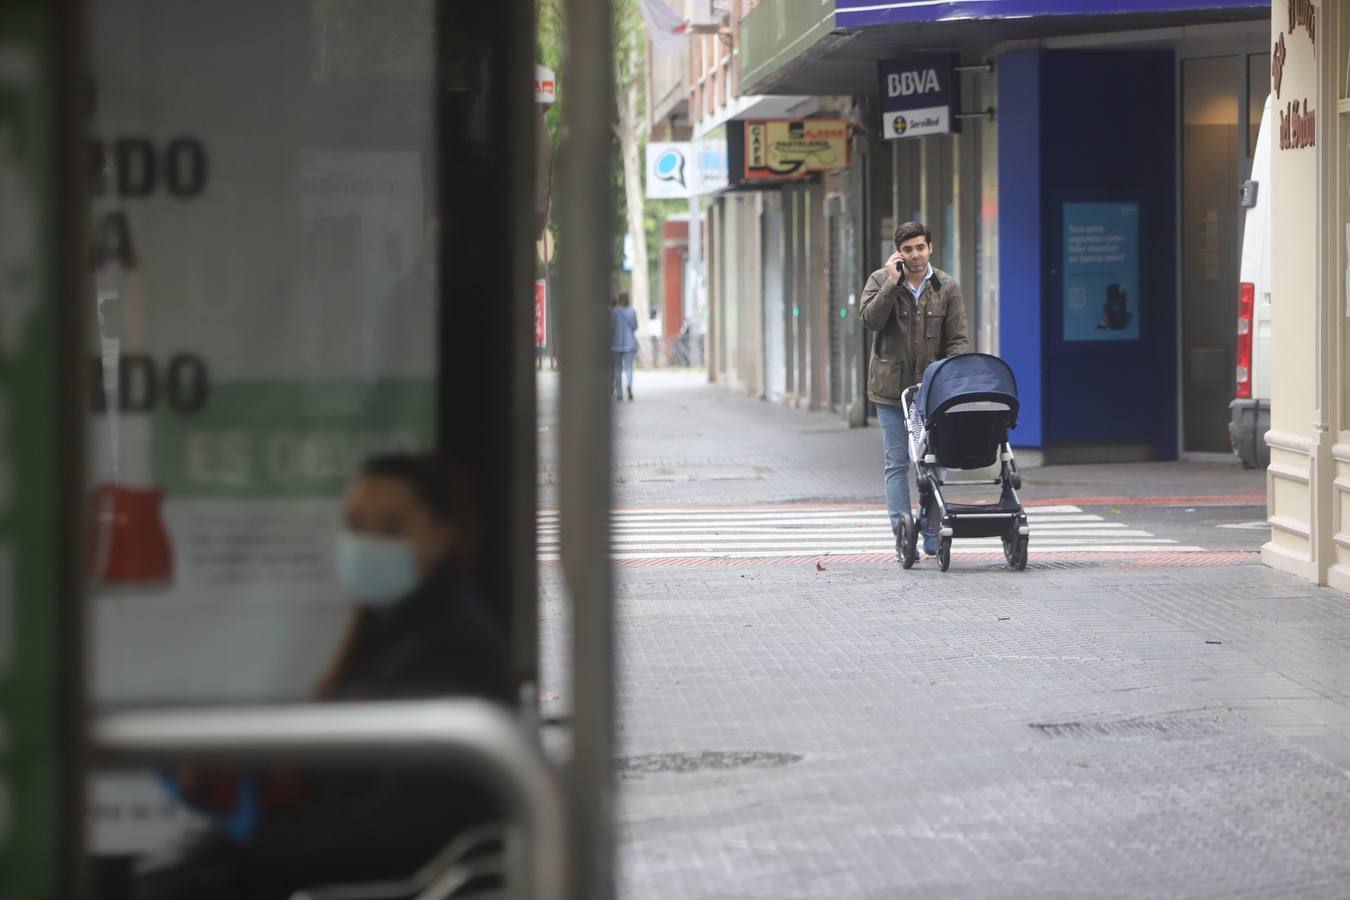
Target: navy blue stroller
[{"x": 959, "y": 418}]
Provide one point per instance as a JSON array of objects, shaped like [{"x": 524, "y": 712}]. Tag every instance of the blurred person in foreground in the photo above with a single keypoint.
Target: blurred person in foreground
[{"x": 417, "y": 631}]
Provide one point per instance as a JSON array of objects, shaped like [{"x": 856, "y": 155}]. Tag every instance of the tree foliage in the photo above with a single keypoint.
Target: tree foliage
[{"x": 630, "y": 64}]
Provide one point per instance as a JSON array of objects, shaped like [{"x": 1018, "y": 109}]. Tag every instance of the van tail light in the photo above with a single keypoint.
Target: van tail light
[{"x": 1246, "y": 312}]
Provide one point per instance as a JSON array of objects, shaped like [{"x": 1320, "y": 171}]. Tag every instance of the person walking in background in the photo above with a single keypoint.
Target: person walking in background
[{"x": 623, "y": 344}]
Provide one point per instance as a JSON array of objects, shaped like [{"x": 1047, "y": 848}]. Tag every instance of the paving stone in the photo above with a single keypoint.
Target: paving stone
[{"x": 984, "y": 734}]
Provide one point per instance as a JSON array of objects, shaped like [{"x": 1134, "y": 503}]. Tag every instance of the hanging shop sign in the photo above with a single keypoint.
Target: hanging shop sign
[
  {"x": 779, "y": 149},
  {"x": 1298, "y": 123},
  {"x": 672, "y": 171},
  {"x": 545, "y": 85},
  {"x": 919, "y": 95},
  {"x": 713, "y": 151}
]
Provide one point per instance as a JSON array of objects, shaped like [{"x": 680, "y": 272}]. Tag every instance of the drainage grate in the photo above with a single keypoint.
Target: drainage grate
[
  {"x": 708, "y": 760},
  {"x": 1130, "y": 729}
]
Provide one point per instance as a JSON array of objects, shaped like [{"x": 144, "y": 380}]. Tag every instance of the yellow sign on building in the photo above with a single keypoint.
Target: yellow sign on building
[{"x": 780, "y": 149}]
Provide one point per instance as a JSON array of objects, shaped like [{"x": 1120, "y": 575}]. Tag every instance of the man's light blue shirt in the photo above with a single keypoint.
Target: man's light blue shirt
[
  {"x": 918, "y": 292},
  {"x": 623, "y": 325}
]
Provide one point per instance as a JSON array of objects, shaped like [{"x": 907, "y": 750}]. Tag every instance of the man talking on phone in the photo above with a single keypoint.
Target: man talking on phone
[{"x": 917, "y": 315}]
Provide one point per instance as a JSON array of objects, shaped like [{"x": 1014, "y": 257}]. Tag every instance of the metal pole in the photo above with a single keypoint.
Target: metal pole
[
  {"x": 586, "y": 218},
  {"x": 75, "y": 286},
  {"x": 447, "y": 735}
]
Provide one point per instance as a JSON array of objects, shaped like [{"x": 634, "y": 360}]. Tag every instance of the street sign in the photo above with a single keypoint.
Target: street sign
[
  {"x": 919, "y": 95},
  {"x": 672, "y": 171},
  {"x": 545, "y": 85}
]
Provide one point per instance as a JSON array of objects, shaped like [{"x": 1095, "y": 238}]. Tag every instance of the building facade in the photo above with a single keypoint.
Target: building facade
[
  {"x": 1089, "y": 203},
  {"x": 1309, "y": 474}
]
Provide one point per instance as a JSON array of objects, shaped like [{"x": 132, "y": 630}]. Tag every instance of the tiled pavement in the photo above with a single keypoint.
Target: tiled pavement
[
  {"x": 1082, "y": 729},
  {"x": 660, "y": 535}
]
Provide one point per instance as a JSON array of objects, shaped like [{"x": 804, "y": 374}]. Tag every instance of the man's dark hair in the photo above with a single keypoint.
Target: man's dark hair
[
  {"x": 438, "y": 481},
  {"x": 911, "y": 230}
]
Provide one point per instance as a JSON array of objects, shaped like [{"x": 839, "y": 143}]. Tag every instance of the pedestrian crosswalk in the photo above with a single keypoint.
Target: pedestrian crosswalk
[{"x": 794, "y": 531}]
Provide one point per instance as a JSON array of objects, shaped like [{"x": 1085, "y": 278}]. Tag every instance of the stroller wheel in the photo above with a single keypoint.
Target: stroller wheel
[
  {"x": 1019, "y": 560},
  {"x": 904, "y": 541},
  {"x": 945, "y": 554},
  {"x": 1009, "y": 549}
]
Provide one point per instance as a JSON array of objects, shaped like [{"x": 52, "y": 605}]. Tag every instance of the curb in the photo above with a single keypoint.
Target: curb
[{"x": 1150, "y": 560}]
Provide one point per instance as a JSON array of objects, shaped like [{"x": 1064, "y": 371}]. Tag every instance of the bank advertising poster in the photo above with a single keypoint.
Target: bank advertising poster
[
  {"x": 1101, "y": 271},
  {"x": 30, "y": 750},
  {"x": 264, "y": 321}
]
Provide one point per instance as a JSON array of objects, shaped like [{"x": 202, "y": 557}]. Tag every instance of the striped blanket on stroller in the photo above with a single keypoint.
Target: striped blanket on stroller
[{"x": 918, "y": 436}]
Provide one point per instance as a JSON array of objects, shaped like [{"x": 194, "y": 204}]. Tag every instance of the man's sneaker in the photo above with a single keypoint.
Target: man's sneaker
[
  {"x": 630, "y": 393},
  {"x": 930, "y": 545}
]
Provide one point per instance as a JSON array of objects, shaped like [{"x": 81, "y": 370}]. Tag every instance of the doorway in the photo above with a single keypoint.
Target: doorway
[{"x": 1221, "y": 102}]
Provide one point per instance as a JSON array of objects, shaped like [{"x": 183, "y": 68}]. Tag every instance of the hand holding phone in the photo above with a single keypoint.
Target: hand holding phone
[{"x": 894, "y": 268}]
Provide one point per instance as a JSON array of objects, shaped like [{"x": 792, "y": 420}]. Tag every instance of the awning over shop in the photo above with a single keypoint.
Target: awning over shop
[
  {"x": 858, "y": 13},
  {"x": 809, "y": 51}
]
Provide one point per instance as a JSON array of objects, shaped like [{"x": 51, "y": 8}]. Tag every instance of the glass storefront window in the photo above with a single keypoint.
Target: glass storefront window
[
  {"x": 1343, "y": 160},
  {"x": 265, "y": 230},
  {"x": 1258, "y": 89},
  {"x": 1344, "y": 154}
]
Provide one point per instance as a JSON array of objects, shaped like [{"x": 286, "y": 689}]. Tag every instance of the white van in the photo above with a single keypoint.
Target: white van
[{"x": 1250, "y": 409}]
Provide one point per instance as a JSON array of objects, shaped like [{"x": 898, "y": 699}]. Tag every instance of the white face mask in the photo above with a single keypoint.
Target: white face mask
[{"x": 377, "y": 571}]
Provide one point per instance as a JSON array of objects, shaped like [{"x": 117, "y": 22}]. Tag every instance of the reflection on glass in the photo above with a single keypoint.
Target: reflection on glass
[
  {"x": 264, "y": 322},
  {"x": 1212, "y": 143},
  {"x": 1344, "y": 384},
  {"x": 1344, "y": 44},
  {"x": 1258, "y": 89}
]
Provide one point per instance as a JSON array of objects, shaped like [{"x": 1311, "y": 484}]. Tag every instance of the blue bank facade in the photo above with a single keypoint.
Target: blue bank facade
[{"x": 1088, "y": 202}]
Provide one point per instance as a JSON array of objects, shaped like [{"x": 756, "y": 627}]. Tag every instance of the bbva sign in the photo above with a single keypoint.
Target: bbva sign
[
  {"x": 903, "y": 84},
  {"x": 915, "y": 89}
]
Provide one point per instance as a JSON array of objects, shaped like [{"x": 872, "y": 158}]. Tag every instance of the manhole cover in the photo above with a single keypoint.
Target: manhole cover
[
  {"x": 708, "y": 760},
  {"x": 1130, "y": 729}
]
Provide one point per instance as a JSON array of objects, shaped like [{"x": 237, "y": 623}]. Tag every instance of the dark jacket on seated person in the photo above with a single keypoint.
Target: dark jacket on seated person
[{"x": 440, "y": 641}]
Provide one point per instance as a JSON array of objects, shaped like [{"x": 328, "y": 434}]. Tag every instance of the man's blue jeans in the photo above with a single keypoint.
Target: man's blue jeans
[
  {"x": 623, "y": 366},
  {"x": 895, "y": 439}
]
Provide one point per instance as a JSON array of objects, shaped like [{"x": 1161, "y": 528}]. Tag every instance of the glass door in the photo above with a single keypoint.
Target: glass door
[{"x": 1212, "y": 156}]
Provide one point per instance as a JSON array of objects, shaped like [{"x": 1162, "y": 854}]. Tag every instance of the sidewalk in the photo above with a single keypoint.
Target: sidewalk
[
  {"x": 685, "y": 441},
  {"x": 829, "y": 727}
]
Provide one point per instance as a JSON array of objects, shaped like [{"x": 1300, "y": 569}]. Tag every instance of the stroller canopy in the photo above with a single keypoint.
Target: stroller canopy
[{"x": 967, "y": 378}]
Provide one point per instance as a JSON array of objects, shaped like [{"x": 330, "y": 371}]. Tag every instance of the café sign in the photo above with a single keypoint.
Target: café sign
[{"x": 779, "y": 149}]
